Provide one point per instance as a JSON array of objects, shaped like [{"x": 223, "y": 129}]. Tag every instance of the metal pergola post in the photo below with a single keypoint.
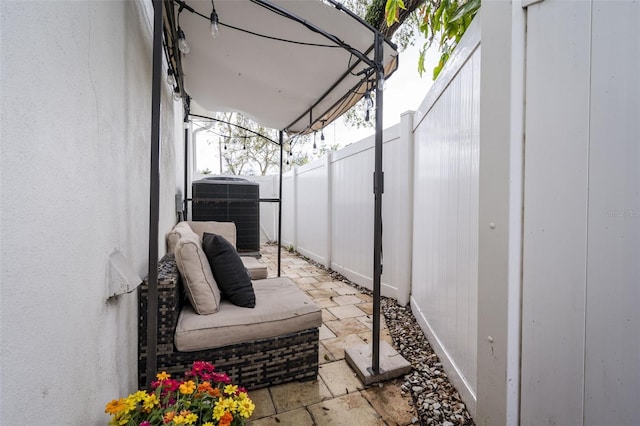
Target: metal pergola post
[
  {"x": 280, "y": 139},
  {"x": 378, "y": 189},
  {"x": 154, "y": 196},
  {"x": 185, "y": 207}
]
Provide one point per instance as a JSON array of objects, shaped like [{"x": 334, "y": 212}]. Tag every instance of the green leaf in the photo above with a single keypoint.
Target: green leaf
[
  {"x": 392, "y": 10},
  {"x": 436, "y": 71},
  {"x": 438, "y": 13},
  {"x": 468, "y": 9},
  {"x": 421, "y": 58},
  {"x": 453, "y": 29}
]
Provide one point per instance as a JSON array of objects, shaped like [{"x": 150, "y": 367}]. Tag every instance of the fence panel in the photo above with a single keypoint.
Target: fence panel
[
  {"x": 312, "y": 204},
  {"x": 445, "y": 227}
]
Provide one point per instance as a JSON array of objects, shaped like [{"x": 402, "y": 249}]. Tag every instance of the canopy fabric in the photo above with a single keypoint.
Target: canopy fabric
[{"x": 280, "y": 72}]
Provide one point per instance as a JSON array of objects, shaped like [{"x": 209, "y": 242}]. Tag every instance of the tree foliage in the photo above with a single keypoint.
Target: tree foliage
[
  {"x": 440, "y": 21},
  {"x": 245, "y": 153}
]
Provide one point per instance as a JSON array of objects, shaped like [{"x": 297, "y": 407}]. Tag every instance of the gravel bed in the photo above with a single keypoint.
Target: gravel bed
[{"x": 436, "y": 401}]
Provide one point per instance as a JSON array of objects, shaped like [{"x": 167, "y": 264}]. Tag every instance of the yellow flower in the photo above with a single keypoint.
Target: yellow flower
[
  {"x": 114, "y": 406},
  {"x": 230, "y": 389},
  {"x": 163, "y": 376},
  {"x": 228, "y": 404},
  {"x": 150, "y": 401},
  {"x": 207, "y": 424},
  {"x": 138, "y": 396},
  {"x": 187, "y": 388},
  {"x": 191, "y": 418},
  {"x": 130, "y": 403},
  {"x": 246, "y": 407},
  {"x": 185, "y": 417},
  {"x": 218, "y": 411}
]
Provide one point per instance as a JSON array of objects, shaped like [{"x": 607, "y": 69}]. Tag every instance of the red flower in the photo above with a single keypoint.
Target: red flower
[{"x": 223, "y": 378}]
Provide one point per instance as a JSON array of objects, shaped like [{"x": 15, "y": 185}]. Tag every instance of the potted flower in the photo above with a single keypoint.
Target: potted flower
[{"x": 203, "y": 398}]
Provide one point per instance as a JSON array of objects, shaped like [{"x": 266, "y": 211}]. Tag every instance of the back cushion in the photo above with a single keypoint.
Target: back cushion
[
  {"x": 199, "y": 284},
  {"x": 226, "y": 229}
]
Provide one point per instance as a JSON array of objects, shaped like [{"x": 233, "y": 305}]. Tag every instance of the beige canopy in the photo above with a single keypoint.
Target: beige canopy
[{"x": 293, "y": 65}]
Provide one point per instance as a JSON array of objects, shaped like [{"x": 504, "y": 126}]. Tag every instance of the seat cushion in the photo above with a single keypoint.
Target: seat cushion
[
  {"x": 228, "y": 270},
  {"x": 199, "y": 283},
  {"x": 281, "y": 308},
  {"x": 257, "y": 270}
]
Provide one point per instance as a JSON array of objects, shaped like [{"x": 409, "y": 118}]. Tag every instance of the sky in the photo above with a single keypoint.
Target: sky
[{"x": 404, "y": 91}]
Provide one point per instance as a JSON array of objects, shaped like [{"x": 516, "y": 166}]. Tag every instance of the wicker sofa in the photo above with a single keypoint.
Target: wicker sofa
[{"x": 275, "y": 342}]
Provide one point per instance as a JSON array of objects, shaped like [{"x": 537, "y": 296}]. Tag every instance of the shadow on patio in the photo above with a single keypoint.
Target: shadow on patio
[{"x": 337, "y": 397}]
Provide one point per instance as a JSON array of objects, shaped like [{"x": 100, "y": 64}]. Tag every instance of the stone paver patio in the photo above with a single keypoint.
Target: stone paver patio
[{"x": 337, "y": 397}]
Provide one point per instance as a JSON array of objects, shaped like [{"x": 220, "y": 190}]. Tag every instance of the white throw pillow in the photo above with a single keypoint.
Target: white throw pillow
[{"x": 199, "y": 284}]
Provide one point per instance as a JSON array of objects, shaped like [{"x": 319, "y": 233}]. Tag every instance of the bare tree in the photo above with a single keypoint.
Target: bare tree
[{"x": 251, "y": 149}]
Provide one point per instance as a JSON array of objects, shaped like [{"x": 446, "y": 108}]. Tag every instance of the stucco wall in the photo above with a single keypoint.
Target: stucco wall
[{"x": 76, "y": 120}]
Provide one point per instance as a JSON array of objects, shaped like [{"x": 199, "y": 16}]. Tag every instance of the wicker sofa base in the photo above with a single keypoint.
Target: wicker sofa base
[{"x": 253, "y": 365}]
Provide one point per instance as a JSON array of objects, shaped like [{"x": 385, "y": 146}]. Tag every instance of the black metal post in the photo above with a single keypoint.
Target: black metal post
[
  {"x": 280, "y": 139},
  {"x": 185, "y": 207},
  {"x": 378, "y": 189},
  {"x": 154, "y": 194}
]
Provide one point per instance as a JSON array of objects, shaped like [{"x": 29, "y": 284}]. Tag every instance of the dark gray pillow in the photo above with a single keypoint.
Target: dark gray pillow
[{"x": 232, "y": 277}]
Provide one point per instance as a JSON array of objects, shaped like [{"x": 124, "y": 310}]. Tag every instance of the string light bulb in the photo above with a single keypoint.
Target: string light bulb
[
  {"x": 213, "y": 26},
  {"x": 171, "y": 80},
  {"x": 322, "y": 130},
  {"x": 183, "y": 46},
  {"x": 368, "y": 102},
  {"x": 315, "y": 147},
  {"x": 382, "y": 83},
  {"x": 177, "y": 96}
]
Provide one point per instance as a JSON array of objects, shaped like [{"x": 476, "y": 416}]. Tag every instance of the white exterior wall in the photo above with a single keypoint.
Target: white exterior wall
[
  {"x": 76, "y": 119},
  {"x": 580, "y": 339},
  {"x": 445, "y": 219}
]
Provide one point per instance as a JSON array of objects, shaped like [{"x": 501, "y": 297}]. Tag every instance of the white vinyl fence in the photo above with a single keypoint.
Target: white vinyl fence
[
  {"x": 444, "y": 292},
  {"x": 328, "y": 211},
  {"x": 430, "y": 213},
  {"x": 533, "y": 314}
]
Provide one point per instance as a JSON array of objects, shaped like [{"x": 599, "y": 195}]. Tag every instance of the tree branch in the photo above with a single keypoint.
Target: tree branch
[{"x": 375, "y": 15}]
